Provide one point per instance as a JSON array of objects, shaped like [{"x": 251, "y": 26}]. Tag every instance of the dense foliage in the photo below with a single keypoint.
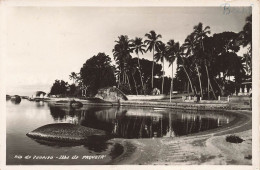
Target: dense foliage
[
  {"x": 97, "y": 72},
  {"x": 59, "y": 87}
]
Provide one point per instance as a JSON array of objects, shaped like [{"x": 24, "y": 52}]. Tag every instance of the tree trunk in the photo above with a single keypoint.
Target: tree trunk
[
  {"x": 127, "y": 78},
  {"x": 221, "y": 90},
  {"x": 123, "y": 77},
  {"x": 135, "y": 84},
  {"x": 119, "y": 79},
  {"x": 189, "y": 80},
  {"x": 192, "y": 88},
  {"x": 209, "y": 83},
  {"x": 207, "y": 77},
  {"x": 171, "y": 85},
  {"x": 188, "y": 88},
  {"x": 140, "y": 72},
  {"x": 199, "y": 80},
  {"x": 152, "y": 67},
  {"x": 212, "y": 90},
  {"x": 163, "y": 77}
]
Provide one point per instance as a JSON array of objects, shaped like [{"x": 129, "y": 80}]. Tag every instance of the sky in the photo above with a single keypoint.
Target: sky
[{"x": 47, "y": 43}]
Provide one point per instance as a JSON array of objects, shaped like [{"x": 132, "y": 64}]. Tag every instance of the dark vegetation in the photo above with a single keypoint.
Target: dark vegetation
[{"x": 207, "y": 65}]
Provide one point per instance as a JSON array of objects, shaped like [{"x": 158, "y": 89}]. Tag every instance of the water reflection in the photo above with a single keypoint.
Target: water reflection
[
  {"x": 57, "y": 113},
  {"x": 40, "y": 104},
  {"x": 55, "y": 143},
  {"x": 94, "y": 145},
  {"x": 141, "y": 123},
  {"x": 16, "y": 102}
]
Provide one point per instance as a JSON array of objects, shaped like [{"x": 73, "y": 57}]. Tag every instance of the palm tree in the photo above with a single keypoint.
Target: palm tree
[
  {"x": 160, "y": 56},
  {"x": 170, "y": 57},
  {"x": 122, "y": 55},
  {"x": 152, "y": 44},
  {"x": 182, "y": 63},
  {"x": 174, "y": 51},
  {"x": 139, "y": 46},
  {"x": 190, "y": 44},
  {"x": 200, "y": 34},
  {"x": 73, "y": 77}
]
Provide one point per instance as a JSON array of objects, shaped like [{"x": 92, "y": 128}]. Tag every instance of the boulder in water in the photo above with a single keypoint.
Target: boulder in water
[
  {"x": 8, "y": 97},
  {"x": 76, "y": 104},
  {"x": 16, "y": 99},
  {"x": 66, "y": 132}
]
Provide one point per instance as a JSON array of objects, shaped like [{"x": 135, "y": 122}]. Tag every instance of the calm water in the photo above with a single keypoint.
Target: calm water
[{"x": 120, "y": 122}]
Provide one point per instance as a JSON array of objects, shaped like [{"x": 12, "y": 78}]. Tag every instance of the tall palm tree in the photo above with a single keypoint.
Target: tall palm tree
[
  {"x": 160, "y": 56},
  {"x": 182, "y": 62},
  {"x": 152, "y": 43},
  {"x": 200, "y": 34},
  {"x": 139, "y": 46},
  {"x": 174, "y": 51},
  {"x": 122, "y": 55},
  {"x": 170, "y": 57},
  {"x": 190, "y": 44}
]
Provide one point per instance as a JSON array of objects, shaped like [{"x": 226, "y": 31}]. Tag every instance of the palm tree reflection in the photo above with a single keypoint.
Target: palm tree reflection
[{"x": 141, "y": 123}]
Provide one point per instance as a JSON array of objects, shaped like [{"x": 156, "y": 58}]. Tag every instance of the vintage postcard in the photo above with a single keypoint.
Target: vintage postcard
[{"x": 171, "y": 84}]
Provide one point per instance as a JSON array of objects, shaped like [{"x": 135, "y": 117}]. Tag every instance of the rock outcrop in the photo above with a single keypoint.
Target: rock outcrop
[
  {"x": 111, "y": 94},
  {"x": 66, "y": 132}
]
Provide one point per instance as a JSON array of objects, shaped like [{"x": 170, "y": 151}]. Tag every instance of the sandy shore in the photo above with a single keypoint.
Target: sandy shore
[{"x": 208, "y": 147}]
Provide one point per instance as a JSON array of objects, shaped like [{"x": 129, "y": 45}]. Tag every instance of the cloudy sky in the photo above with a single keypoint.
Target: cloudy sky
[{"x": 48, "y": 43}]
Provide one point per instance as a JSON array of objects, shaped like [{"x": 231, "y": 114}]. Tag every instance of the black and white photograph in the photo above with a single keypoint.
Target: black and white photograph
[{"x": 130, "y": 85}]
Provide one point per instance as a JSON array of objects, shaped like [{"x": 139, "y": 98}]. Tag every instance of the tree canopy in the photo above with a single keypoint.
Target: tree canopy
[
  {"x": 59, "y": 87},
  {"x": 97, "y": 72}
]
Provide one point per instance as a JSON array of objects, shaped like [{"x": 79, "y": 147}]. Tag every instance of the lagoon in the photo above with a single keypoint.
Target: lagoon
[{"x": 119, "y": 122}]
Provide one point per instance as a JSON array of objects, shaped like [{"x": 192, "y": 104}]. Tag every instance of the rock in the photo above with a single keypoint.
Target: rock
[
  {"x": 8, "y": 97},
  {"x": 111, "y": 94},
  {"x": 76, "y": 104},
  {"x": 16, "y": 99},
  {"x": 66, "y": 132}
]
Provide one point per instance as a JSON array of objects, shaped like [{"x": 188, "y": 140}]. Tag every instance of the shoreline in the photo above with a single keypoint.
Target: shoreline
[
  {"x": 208, "y": 147},
  {"x": 175, "y": 104}
]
